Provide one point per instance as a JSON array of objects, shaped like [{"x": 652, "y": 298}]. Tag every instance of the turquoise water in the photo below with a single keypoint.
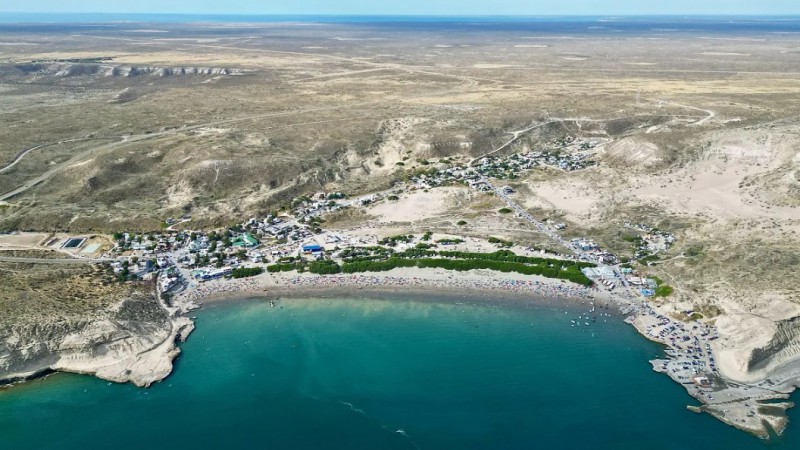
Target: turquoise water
[{"x": 375, "y": 374}]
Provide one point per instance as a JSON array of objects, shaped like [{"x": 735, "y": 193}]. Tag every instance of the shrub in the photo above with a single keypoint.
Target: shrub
[
  {"x": 285, "y": 267},
  {"x": 571, "y": 273},
  {"x": 393, "y": 240},
  {"x": 244, "y": 272},
  {"x": 664, "y": 290},
  {"x": 500, "y": 242},
  {"x": 325, "y": 267}
]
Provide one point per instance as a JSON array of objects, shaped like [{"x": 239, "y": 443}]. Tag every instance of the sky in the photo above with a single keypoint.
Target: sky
[{"x": 410, "y": 7}]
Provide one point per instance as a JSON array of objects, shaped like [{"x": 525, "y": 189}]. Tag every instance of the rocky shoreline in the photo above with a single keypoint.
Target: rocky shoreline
[
  {"x": 139, "y": 344},
  {"x": 754, "y": 408},
  {"x": 135, "y": 342}
]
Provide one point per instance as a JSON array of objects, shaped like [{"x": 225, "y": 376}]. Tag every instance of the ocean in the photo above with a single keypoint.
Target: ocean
[
  {"x": 544, "y": 25},
  {"x": 382, "y": 374}
]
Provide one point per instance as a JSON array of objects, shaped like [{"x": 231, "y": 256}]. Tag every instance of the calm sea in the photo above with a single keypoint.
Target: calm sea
[
  {"x": 377, "y": 374},
  {"x": 591, "y": 25}
]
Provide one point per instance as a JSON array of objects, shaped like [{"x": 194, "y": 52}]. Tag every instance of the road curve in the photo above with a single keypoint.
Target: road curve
[{"x": 25, "y": 152}]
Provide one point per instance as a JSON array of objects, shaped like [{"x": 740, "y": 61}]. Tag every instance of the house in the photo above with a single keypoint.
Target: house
[
  {"x": 244, "y": 240},
  {"x": 205, "y": 275},
  {"x": 312, "y": 248},
  {"x": 701, "y": 381}
]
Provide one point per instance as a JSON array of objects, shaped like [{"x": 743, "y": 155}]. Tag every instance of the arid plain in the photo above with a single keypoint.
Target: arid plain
[{"x": 116, "y": 128}]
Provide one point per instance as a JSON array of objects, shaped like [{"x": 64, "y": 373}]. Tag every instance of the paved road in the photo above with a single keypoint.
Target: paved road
[
  {"x": 521, "y": 212},
  {"x": 553, "y": 234}
]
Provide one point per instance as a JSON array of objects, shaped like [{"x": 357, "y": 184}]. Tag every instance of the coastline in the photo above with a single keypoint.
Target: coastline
[
  {"x": 413, "y": 282},
  {"x": 758, "y": 409},
  {"x": 732, "y": 403}
]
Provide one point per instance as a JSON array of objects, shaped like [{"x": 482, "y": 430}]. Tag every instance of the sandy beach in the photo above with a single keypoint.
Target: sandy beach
[{"x": 438, "y": 283}]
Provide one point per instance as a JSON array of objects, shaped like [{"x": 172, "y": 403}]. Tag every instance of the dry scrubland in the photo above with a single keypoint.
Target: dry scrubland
[{"x": 700, "y": 138}]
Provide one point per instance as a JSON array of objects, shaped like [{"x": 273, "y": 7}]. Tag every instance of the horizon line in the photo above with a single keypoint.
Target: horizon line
[{"x": 795, "y": 14}]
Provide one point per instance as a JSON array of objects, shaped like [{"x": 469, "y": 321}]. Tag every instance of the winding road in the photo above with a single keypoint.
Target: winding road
[{"x": 25, "y": 152}]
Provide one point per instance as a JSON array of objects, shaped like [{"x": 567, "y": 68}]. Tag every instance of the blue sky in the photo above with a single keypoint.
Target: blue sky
[{"x": 410, "y": 7}]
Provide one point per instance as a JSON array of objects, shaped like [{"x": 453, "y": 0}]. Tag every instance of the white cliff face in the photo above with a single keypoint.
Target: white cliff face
[
  {"x": 756, "y": 346},
  {"x": 135, "y": 342},
  {"x": 64, "y": 70}
]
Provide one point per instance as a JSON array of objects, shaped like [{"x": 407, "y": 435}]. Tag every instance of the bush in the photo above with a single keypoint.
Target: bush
[
  {"x": 326, "y": 267},
  {"x": 244, "y": 272},
  {"x": 285, "y": 267},
  {"x": 504, "y": 211},
  {"x": 693, "y": 251},
  {"x": 571, "y": 273},
  {"x": 664, "y": 290},
  {"x": 500, "y": 242},
  {"x": 461, "y": 223},
  {"x": 393, "y": 240}
]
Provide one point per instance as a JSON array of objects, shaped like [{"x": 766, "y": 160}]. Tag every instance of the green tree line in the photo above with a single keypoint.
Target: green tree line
[{"x": 244, "y": 272}]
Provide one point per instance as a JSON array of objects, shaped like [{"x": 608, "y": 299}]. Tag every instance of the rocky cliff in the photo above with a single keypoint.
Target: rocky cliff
[
  {"x": 70, "y": 69},
  {"x": 134, "y": 342}
]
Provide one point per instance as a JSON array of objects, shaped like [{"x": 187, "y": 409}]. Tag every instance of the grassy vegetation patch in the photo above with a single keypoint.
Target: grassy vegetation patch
[
  {"x": 664, "y": 290},
  {"x": 500, "y": 242}
]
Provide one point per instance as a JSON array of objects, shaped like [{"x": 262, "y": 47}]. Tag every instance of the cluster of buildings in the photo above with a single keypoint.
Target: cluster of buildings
[
  {"x": 317, "y": 204},
  {"x": 501, "y": 167},
  {"x": 509, "y": 167},
  {"x": 213, "y": 255},
  {"x": 652, "y": 242},
  {"x": 587, "y": 247}
]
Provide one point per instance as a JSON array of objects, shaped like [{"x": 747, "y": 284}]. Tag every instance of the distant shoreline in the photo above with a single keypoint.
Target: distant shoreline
[{"x": 123, "y": 19}]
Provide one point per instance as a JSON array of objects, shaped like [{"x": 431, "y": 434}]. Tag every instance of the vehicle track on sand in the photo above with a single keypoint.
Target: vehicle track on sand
[
  {"x": 25, "y": 152},
  {"x": 709, "y": 114},
  {"x": 155, "y": 135},
  {"x": 466, "y": 83}
]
